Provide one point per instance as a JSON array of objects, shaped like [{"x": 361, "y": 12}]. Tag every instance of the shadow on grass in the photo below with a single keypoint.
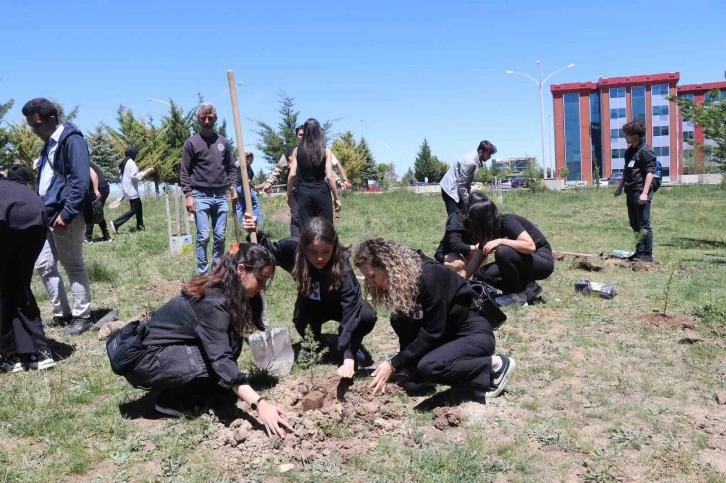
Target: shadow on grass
[
  {"x": 60, "y": 350},
  {"x": 688, "y": 243}
]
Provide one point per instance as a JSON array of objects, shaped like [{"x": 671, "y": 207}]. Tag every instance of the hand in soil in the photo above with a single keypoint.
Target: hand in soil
[
  {"x": 380, "y": 377},
  {"x": 273, "y": 418},
  {"x": 347, "y": 370}
]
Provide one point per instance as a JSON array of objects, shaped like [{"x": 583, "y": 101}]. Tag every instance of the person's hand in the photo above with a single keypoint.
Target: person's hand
[
  {"x": 98, "y": 194},
  {"x": 273, "y": 418},
  {"x": 59, "y": 224},
  {"x": 233, "y": 194},
  {"x": 347, "y": 185},
  {"x": 191, "y": 205},
  {"x": 338, "y": 206},
  {"x": 264, "y": 187},
  {"x": 618, "y": 191},
  {"x": 380, "y": 377},
  {"x": 643, "y": 199},
  {"x": 347, "y": 370},
  {"x": 492, "y": 245},
  {"x": 150, "y": 171},
  {"x": 249, "y": 223},
  {"x": 290, "y": 202}
]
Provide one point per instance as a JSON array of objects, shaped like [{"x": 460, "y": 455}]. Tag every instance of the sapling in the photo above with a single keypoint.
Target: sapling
[
  {"x": 668, "y": 291},
  {"x": 310, "y": 355}
]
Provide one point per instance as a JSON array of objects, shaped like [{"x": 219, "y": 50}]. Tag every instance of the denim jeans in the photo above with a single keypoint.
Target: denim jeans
[
  {"x": 639, "y": 217},
  {"x": 211, "y": 211},
  {"x": 241, "y": 208}
]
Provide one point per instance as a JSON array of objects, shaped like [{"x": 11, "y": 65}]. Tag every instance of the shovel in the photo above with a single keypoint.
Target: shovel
[{"x": 271, "y": 348}]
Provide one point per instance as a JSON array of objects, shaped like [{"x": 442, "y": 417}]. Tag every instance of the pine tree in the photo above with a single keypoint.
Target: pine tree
[
  {"x": 369, "y": 169},
  {"x": 103, "y": 153},
  {"x": 427, "y": 165},
  {"x": 275, "y": 142},
  {"x": 408, "y": 178},
  {"x": 5, "y": 137}
]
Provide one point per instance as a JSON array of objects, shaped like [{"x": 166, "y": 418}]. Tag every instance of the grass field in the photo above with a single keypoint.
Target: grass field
[{"x": 601, "y": 393}]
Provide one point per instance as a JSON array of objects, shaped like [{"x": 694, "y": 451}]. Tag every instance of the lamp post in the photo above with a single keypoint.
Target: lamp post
[{"x": 540, "y": 83}]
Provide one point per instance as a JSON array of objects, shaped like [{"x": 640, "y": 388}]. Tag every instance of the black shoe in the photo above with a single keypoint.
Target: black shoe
[
  {"x": 416, "y": 388},
  {"x": 87, "y": 241},
  {"x": 177, "y": 405},
  {"x": 40, "y": 360},
  {"x": 363, "y": 358},
  {"x": 499, "y": 378},
  {"x": 77, "y": 326},
  {"x": 466, "y": 394},
  {"x": 643, "y": 257},
  {"x": 57, "y": 322},
  {"x": 10, "y": 363},
  {"x": 635, "y": 255},
  {"x": 141, "y": 228},
  {"x": 107, "y": 238}
]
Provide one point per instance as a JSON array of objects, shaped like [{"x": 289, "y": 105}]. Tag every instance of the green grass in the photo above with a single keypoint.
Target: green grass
[{"x": 597, "y": 395}]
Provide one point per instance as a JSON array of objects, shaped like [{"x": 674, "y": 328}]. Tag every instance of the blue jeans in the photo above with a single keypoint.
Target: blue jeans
[
  {"x": 211, "y": 209},
  {"x": 241, "y": 208}
]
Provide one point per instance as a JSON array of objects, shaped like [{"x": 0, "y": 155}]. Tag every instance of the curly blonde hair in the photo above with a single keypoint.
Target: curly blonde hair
[{"x": 403, "y": 267}]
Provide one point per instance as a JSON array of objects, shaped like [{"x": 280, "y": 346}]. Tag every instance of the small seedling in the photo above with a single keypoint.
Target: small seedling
[
  {"x": 668, "y": 291},
  {"x": 311, "y": 354}
]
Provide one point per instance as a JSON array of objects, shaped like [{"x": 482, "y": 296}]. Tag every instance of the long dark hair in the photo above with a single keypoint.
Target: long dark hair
[
  {"x": 311, "y": 151},
  {"x": 482, "y": 217},
  {"x": 245, "y": 313},
  {"x": 131, "y": 153},
  {"x": 319, "y": 229}
]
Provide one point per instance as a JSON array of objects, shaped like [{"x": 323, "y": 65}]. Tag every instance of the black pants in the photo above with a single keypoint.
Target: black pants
[
  {"x": 294, "y": 218},
  {"x": 88, "y": 214},
  {"x": 314, "y": 200},
  {"x": 135, "y": 209},
  {"x": 511, "y": 271},
  {"x": 171, "y": 366},
  {"x": 315, "y": 313},
  {"x": 462, "y": 359},
  {"x": 21, "y": 329},
  {"x": 639, "y": 217},
  {"x": 451, "y": 205}
]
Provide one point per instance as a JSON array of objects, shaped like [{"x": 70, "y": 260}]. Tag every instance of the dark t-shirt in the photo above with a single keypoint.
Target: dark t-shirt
[
  {"x": 102, "y": 181},
  {"x": 457, "y": 238},
  {"x": 20, "y": 207},
  {"x": 513, "y": 225},
  {"x": 207, "y": 164},
  {"x": 250, "y": 174},
  {"x": 639, "y": 161}
]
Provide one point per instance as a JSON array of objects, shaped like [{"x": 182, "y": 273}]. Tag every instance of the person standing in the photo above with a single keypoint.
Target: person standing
[
  {"x": 23, "y": 232},
  {"x": 241, "y": 207},
  {"x": 640, "y": 162},
  {"x": 207, "y": 173},
  {"x": 63, "y": 179},
  {"x": 315, "y": 164},
  {"x": 130, "y": 177},
  {"x": 456, "y": 183},
  {"x": 99, "y": 191}
]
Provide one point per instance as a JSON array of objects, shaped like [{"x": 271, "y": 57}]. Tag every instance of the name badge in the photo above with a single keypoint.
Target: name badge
[
  {"x": 418, "y": 313},
  {"x": 315, "y": 295},
  {"x": 631, "y": 164}
]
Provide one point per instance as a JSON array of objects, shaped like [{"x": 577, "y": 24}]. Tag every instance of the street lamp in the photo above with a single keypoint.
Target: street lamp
[{"x": 540, "y": 83}]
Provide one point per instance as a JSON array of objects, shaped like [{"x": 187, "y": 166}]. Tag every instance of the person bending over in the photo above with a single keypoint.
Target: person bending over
[
  {"x": 190, "y": 345},
  {"x": 457, "y": 247},
  {"x": 522, "y": 254},
  {"x": 443, "y": 340},
  {"x": 327, "y": 288}
]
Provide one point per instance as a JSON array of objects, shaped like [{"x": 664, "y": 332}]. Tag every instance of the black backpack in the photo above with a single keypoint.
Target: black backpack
[{"x": 125, "y": 347}]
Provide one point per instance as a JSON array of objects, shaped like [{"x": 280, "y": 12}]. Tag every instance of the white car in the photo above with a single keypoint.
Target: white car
[
  {"x": 477, "y": 186},
  {"x": 506, "y": 184}
]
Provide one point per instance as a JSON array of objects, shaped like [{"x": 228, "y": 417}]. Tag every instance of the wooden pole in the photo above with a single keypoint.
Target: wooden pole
[
  {"x": 168, "y": 218},
  {"x": 178, "y": 213},
  {"x": 240, "y": 149}
]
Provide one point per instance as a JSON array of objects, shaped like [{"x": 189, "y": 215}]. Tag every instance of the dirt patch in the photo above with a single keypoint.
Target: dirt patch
[
  {"x": 445, "y": 417},
  {"x": 676, "y": 320},
  {"x": 162, "y": 290},
  {"x": 584, "y": 263},
  {"x": 281, "y": 215},
  {"x": 634, "y": 265}
]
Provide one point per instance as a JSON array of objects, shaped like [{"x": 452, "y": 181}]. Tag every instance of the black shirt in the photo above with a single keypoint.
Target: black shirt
[
  {"x": 348, "y": 297},
  {"x": 443, "y": 307},
  {"x": 512, "y": 226},
  {"x": 102, "y": 181},
  {"x": 203, "y": 322},
  {"x": 20, "y": 207},
  {"x": 457, "y": 237},
  {"x": 207, "y": 164},
  {"x": 639, "y": 161}
]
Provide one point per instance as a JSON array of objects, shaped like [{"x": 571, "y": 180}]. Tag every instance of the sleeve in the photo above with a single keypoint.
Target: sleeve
[
  {"x": 78, "y": 178},
  {"x": 279, "y": 168},
  {"x": 463, "y": 179},
  {"x": 648, "y": 160},
  {"x": 133, "y": 171},
  {"x": 350, "y": 302},
  {"x": 186, "y": 166},
  {"x": 229, "y": 165},
  {"x": 212, "y": 331},
  {"x": 455, "y": 234},
  {"x": 283, "y": 251},
  {"x": 511, "y": 227}
]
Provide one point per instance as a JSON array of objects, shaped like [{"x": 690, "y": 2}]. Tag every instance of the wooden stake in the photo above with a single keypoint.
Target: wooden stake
[
  {"x": 184, "y": 213},
  {"x": 178, "y": 213},
  {"x": 168, "y": 218}
]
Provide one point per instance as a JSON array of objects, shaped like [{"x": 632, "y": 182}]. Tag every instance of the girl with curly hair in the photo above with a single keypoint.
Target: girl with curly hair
[
  {"x": 327, "y": 288},
  {"x": 190, "y": 346},
  {"x": 443, "y": 340}
]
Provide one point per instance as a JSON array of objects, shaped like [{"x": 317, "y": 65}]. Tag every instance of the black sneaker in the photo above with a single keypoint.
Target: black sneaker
[
  {"x": 643, "y": 257},
  {"x": 499, "y": 378},
  {"x": 10, "y": 363},
  {"x": 57, "y": 322},
  {"x": 635, "y": 255},
  {"x": 107, "y": 238},
  {"x": 87, "y": 241},
  {"x": 77, "y": 326},
  {"x": 172, "y": 404},
  {"x": 41, "y": 360}
]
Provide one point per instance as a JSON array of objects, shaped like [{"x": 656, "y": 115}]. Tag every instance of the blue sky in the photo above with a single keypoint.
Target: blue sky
[{"x": 409, "y": 69}]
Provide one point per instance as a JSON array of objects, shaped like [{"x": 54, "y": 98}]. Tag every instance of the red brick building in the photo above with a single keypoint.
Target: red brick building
[{"x": 697, "y": 93}]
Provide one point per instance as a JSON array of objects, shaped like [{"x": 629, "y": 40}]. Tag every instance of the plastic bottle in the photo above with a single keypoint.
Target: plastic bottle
[
  {"x": 604, "y": 290},
  {"x": 622, "y": 253}
]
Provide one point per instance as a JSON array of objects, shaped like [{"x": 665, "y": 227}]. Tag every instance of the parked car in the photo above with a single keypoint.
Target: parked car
[
  {"x": 506, "y": 184},
  {"x": 604, "y": 182},
  {"x": 371, "y": 188},
  {"x": 477, "y": 186},
  {"x": 615, "y": 178},
  {"x": 519, "y": 182}
]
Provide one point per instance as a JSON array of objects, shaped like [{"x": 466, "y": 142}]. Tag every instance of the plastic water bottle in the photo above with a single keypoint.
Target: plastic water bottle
[
  {"x": 604, "y": 290},
  {"x": 622, "y": 253}
]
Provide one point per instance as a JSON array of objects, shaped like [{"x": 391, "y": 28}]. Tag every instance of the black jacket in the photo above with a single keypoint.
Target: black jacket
[
  {"x": 20, "y": 207},
  {"x": 202, "y": 322},
  {"x": 457, "y": 238},
  {"x": 642, "y": 158},
  {"x": 443, "y": 307},
  {"x": 348, "y": 297}
]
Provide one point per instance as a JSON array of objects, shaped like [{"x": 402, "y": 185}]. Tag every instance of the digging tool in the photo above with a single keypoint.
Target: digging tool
[{"x": 271, "y": 348}]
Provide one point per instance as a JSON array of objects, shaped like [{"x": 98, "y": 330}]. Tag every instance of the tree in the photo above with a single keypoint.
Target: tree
[
  {"x": 274, "y": 142},
  {"x": 369, "y": 169},
  {"x": 408, "y": 178},
  {"x": 427, "y": 165},
  {"x": 484, "y": 175},
  {"x": 711, "y": 116},
  {"x": 346, "y": 150},
  {"x": 103, "y": 153},
  {"x": 532, "y": 175},
  {"x": 5, "y": 137},
  {"x": 260, "y": 177},
  {"x": 391, "y": 173}
]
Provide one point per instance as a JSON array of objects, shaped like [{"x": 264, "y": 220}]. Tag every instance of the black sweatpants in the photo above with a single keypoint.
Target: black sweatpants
[
  {"x": 451, "y": 205},
  {"x": 294, "y": 218},
  {"x": 21, "y": 329},
  {"x": 170, "y": 366},
  {"x": 639, "y": 217},
  {"x": 135, "y": 209},
  {"x": 511, "y": 271},
  {"x": 463, "y": 359},
  {"x": 314, "y": 200},
  {"x": 315, "y": 313},
  {"x": 88, "y": 214}
]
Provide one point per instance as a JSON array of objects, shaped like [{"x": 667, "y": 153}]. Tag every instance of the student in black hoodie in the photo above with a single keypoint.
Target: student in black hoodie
[
  {"x": 443, "y": 340},
  {"x": 457, "y": 247},
  {"x": 191, "y": 344},
  {"x": 327, "y": 288}
]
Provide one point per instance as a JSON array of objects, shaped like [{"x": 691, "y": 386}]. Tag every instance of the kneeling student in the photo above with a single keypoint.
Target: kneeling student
[
  {"x": 457, "y": 247},
  {"x": 191, "y": 344},
  {"x": 442, "y": 339},
  {"x": 327, "y": 287}
]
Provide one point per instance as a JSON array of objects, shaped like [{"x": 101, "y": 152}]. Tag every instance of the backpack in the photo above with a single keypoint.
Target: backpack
[
  {"x": 657, "y": 179},
  {"x": 125, "y": 347}
]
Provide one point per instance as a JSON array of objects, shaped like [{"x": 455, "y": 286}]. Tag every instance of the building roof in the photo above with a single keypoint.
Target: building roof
[
  {"x": 701, "y": 88},
  {"x": 670, "y": 78}
]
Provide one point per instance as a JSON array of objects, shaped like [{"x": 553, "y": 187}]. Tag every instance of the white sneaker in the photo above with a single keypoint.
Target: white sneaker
[
  {"x": 512, "y": 299},
  {"x": 10, "y": 364},
  {"x": 41, "y": 360}
]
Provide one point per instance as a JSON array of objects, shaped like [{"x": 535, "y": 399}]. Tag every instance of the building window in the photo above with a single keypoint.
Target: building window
[
  {"x": 687, "y": 96},
  {"x": 618, "y": 153},
  {"x": 617, "y": 113},
  {"x": 662, "y": 151},
  {"x": 660, "y": 131},
  {"x": 687, "y": 135},
  {"x": 617, "y": 92},
  {"x": 596, "y": 131},
  {"x": 573, "y": 159},
  {"x": 637, "y": 95},
  {"x": 660, "y": 90},
  {"x": 617, "y": 134},
  {"x": 712, "y": 96},
  {"x": 660, "y": 110}
]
